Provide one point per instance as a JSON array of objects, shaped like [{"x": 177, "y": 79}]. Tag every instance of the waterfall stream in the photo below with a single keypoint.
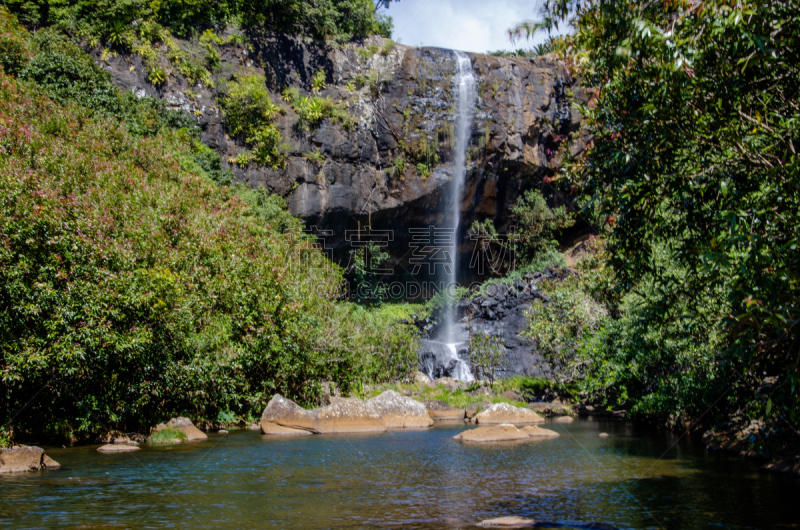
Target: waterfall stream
[{"x": 465, "y": 112}]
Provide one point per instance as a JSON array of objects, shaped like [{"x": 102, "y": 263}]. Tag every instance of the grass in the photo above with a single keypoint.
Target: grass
[{"x": 167, "y": 436}]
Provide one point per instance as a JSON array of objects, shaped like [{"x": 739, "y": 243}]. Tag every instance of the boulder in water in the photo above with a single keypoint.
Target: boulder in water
[
  {"x": 117, "y": 448},
  {"x": 273, "y": 429},
  {"x": 25, "y": 458},
  {"x": 565, "y": 419},
  {"x": 344, "y": 416},
  {"x": 441, "y": 411},
  {"x": 534, "y": 431},
  {"x": 348, "y": 416},
  {"x": 186, "y": 426},
  {"x": 400, "y": 412},
  {"x": 493, "y": 433},
  {"x": 508, "y": 522},
  {"x": 505, "y": 413}
]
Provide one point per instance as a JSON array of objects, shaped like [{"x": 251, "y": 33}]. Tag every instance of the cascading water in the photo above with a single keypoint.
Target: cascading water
[{"x": 465, "y": 112}]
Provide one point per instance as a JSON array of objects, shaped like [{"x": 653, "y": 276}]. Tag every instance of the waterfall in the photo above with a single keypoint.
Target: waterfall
[{"x": 465, "y": 112}]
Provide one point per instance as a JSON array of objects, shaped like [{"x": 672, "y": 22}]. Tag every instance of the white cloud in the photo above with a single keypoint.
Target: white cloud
[{"x": 468, "y": 25}]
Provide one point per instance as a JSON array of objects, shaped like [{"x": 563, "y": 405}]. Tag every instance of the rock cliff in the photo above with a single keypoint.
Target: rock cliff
[{"x": 376, "y": 173}]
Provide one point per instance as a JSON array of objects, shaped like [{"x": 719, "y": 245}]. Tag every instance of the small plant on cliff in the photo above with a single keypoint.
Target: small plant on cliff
[{"x": 318, "y": 83}]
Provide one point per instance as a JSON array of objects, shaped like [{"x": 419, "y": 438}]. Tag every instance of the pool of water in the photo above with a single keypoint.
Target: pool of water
[{"x": 412, "y": 479}]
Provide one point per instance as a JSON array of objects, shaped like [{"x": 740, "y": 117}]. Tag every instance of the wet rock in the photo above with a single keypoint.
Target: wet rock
[
  {"x": 344, "y": 416},
  {"x": 564, "y": 419},
  {"x": 186, "y": 426},
  {"x": 400, "y": 412},
  {"x": 348, "y": 416},
  {"x": 472, "y": 410},
  {"x": 535, "y": 431},
  {"x": 25, "y": 458},
  {"x": 604, "y": 435},
  {"x": 117, "y": 448},
  {"x": 273, "y": 429},
  {"x": 419, "y": 377},
  {"x": 505, "y": 413},
  {"x": 492, "y": 433},
  {"x": 787, "y": 466},
  {"x": 222, "y": 431},
  {"x": 441, "y": 411},
  {"x": 509, "y": 522}
]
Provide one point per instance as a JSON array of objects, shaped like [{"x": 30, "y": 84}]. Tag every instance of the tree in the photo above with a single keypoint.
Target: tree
[{"x": 694, "y": 118}]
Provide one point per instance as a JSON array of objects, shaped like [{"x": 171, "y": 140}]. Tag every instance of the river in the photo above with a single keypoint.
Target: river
[{"x": 410, "y": 479}]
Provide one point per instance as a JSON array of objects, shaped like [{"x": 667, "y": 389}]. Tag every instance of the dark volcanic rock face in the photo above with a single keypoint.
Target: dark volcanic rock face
[
  {"x": 403, "y": 100},
  {"x": 500, "y": 312}
]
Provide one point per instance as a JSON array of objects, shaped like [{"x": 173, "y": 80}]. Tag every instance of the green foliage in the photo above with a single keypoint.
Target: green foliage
[
  {"x": 249, "y": 114},
  {"x": 135, "y": 289},
  {"x": 115, "y": 20},
  {"x": 485, "y": 354},
  {"x": 318, "y": 83},
  {"x": 67, "y": 78},
  {"x": 14, "y": 44},
  {"x": 364, "y": 262},
  {"x": 559, "y": 327},
  {"x": 423, "y": 170},
  {"x": 399, "y": 167},
  {"x": 694, "y": 166},
  {"x": 538, "y": 224},
  {"x": 321, "y": 19},
  {"x": 313, "y": 109},
  {"x": 167, "y": 436}
]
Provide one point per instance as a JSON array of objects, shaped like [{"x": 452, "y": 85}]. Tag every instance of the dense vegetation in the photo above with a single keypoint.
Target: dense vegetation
[
  {"x": 693, "y": 173},
  {"x": 135, "y": 284},
  {"x": 115, "y": 21}
]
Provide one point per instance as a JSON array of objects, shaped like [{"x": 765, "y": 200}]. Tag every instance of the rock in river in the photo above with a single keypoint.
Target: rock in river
[
  {"x": 505, "y": 413},
  {"x": 25, "y": 458},
  {"x": 441, "y": 411},
  {"x": 117, "y": 448},
  {"x": 400, "y": 412},
  {"x": 187, "y": 427},
  {"x": 494, "y": 433},
  {"x": 344, "y": 416}
]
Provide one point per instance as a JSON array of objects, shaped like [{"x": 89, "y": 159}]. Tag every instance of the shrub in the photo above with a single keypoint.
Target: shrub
[
  {"x": 14, "y": 44},
  {"x": 66, "y": 78},
  {"x": 538, "y": 224},
  {"x": 249, "y": 113},
  {"x": 485, "y": 353}
]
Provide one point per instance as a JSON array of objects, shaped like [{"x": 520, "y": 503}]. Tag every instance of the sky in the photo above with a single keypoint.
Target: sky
[{"x": 467, "y": 25}]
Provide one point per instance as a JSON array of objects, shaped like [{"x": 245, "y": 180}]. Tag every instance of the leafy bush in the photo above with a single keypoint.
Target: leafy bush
[
  {"x": 538, "y": 224},
  {"x": 485, "y": 354},
  {"x": 14, "y": 44},
  {"x": 167, "y": 435},
  {"x": 313, "y": 109},
  {"x": 249, "y": 113},
  {"x": 134, "y": 289},
  {"x": 67, "y": 78}
]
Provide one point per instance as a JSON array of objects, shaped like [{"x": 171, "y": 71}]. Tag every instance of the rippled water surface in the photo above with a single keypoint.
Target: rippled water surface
[{"x": 414, "y": 479}]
